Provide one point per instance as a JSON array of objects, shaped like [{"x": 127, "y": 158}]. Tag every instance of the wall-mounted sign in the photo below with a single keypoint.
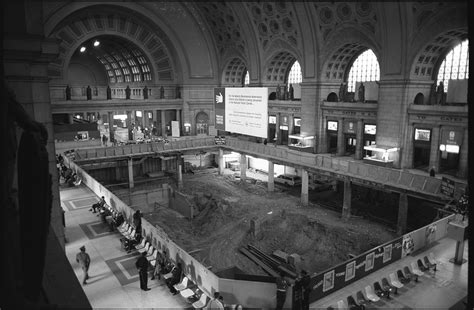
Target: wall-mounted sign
[
  {"x": 297, "y": 122},
  {"x": 447, "y": 187},
  {"x": 219, "y": 140},
  {"x": 272, "y": 119},
  {"x": 284, "y": 120},
  {"x": 370, "y": 129},
  {"x": 350, "y": 126},
  {"x": 422, "y": 134},
  {"x": 451, "y": 136},
  {"x": 332, "y": 125}
]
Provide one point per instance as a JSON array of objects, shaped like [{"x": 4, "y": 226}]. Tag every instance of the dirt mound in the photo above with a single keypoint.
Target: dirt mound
[{"x": 227, "y": 206}]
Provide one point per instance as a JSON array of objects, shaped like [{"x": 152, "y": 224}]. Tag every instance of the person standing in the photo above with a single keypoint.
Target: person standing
[
  {"x": 142, "y": 266},
  {"x": 305, "y": 285},
  {"x": 137, "y": 220},
  {"x": 84, "y": 260},
  {"x": 281, "y": 285}
]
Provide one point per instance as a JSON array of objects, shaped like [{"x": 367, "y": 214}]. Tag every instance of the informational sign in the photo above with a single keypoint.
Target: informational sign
[
  {"x": 242, "y": 110},
  {"x": 447, "y": 187},
  {"x": 422, "y": 134},
  {"x": 332, "y": 125},
  {"x": 370, "y": 129},
  {"x": 219, "y": 140},
  {"x": 350, "y": 126},
  {"x": 175, "y": 129}
]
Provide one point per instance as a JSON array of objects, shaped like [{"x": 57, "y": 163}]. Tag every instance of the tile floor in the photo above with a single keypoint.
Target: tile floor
[
  {"x": 435, "y": 290},
  {"x": 113, "y": 279}
]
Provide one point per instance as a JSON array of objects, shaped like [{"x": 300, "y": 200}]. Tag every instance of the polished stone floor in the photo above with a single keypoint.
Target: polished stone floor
[
  {"x": 443, "y": 289},
  {"x": 113, "y": 279}
]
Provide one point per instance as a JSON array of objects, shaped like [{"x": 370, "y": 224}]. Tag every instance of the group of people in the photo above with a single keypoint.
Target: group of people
[{"x": 69, "y": 176}]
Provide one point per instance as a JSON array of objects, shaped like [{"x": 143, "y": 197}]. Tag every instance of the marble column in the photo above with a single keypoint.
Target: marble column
[
  {"x": 304, "y": 188},
  {"x": 277, "y": 130},
  {"x": 347, "y": 200},
  {"x": 402, "y": 214},
  {"x": 340, "y": 138},
  {"x": 110, "y": 117},
  {"x": 407, "y": 155},
  {"x": 180, "y": 177},
  {"x": 359, "y": 151},
  {"x": 463, "y": 156},
  {"x": 271, "y": 176},
  {"x": 434, "y": 152},
  {"x": 221, "y": 161},
  {"x": 130, "y": 173},
  {"x": 290, "y": 125},
  {"x": 163, "y": 123},
  {"x": 243, "y": 167}
]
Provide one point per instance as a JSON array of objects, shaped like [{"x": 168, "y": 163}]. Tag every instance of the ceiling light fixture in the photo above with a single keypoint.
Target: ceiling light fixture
[
  {"x": 96, "y": 43},
  {"x": 83, "y": 49}
]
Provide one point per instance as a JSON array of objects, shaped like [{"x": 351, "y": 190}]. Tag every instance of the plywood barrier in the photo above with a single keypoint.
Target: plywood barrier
[{"x": 247, "y": 293}]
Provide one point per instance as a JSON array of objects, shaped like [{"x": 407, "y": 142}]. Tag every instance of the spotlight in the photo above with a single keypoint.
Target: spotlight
[
  {"x": 96, "y": 43},
  {"x": 83, "y": 49}
]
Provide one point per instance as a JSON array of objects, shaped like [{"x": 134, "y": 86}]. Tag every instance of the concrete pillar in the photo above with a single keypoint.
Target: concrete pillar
[
  {"x": 163, "y": 164},
  {"x": 221, "y": 162},
  {"x": 70, "y": 118},
  {"x": 277, "y": 125},
  {"x": 402, "y": 214},
  {"x": 463, "y": 156},
  {"x": 290, "y": 124},
  {"x": 347, "y": 200},
  {"x": 304, "y": 188},
  {"x": 434, "y": 152},
  {"x": 340, "y": 139},
  {"x": 118, "y": 175},
  {"x": 359, "y": 151},
  {"x": 407, "y": 153},
  {"x": 110, "y": 116},
  {"x": 154, "y": 117},
  {"x": 163, "y": 123},
  {"x": 323, "y": 139},
  {"x": 180, "y": 177},
  {"x": 243, "y": 167},
  {"x": 271, "y": 176},
  {"x": 129, "y": 118},
  {"x": 130, "y": 173}
]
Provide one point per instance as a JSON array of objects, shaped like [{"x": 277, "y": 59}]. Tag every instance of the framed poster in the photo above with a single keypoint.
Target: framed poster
[
  {"x": 369, "y": 261},
  {"x": 350, "y": 270},
  {"x": 328, "y": 282},
  {"x": 387, "y": 253}
]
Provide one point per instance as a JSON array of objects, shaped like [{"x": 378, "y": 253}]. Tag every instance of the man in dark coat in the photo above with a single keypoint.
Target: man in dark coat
[
  {"x": 142, "y": 266},
  {"x": 175, "y": 278}
]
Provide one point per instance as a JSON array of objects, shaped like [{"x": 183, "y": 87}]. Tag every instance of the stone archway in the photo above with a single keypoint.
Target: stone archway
[{"x": 202, "y": 123}]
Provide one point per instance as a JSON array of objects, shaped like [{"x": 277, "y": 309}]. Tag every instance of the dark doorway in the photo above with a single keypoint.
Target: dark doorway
[
  {"x": 421, "y": 156},
  {"x": 351, "y": 142},
  {"x": 332, "y": 142}
]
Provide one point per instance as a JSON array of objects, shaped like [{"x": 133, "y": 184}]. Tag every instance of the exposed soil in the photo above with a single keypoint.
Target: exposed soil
[{"x": 227, "y": 206}]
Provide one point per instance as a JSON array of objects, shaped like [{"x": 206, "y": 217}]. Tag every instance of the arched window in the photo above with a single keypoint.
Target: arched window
[
  {"x": 295, "y": 76},
  {"x": 247, "y": 79},
  {"x": 455, "y": 66},
  {"x": 365, "y": 68}
]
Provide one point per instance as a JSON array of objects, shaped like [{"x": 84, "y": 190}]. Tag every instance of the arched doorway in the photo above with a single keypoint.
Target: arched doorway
[{"x": 202, "y": 123}]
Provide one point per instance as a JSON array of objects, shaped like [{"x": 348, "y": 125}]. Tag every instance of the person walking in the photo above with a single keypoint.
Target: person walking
[
  {"x": 84, "y": 260},
  {"x": 281, "y": 285},
  {"x": 142, "y": 266}
]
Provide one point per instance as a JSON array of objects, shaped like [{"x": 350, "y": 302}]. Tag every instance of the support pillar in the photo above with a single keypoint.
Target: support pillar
[
  {"x": 163, "y": 164},
  {"x": 277, "y": 129},
  {"x": 304, "y": 188},
  {"x": 163, "y": 123},
  {"x": 359, "y": 140},
  {"x": 434, "y": 152},
  {"x": 243, "y": 167},
  {"x": 118, "y": 175},
  {"x": 221, "y": 162},
  {"x": 290, "y": 125},
  {"x": 407, "y": 154},
  {"x": 402, "y": 214},
  {"x": 346, "y": 205},
  {"x": 340, "y": 139},
  {"x": 271, "y": 176},
  {"x": 70, "y": 118},
  {"x": 110, "y": 117},
  {"x": 180, "y": 176},
  {"x": 463, "y": 156},
  {"x": 130, "y": 173}
]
